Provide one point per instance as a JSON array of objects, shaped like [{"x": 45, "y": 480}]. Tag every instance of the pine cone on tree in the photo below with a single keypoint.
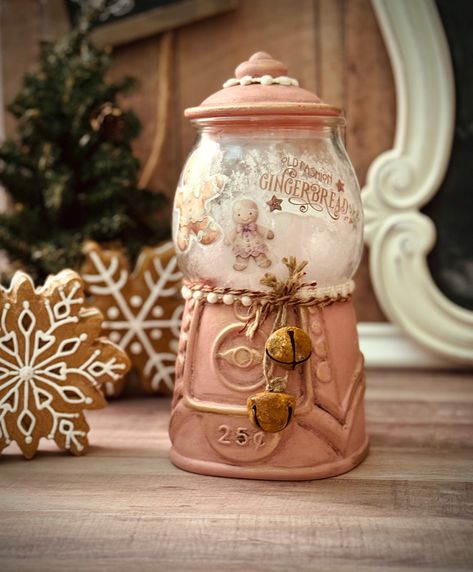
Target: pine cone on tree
[{"x": 109, "y": 120}]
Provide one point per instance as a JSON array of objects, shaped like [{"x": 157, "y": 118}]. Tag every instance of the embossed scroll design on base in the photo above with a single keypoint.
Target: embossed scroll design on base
[
  {"x": 402, "y": 180},
  {"x": 328, "y": 414}
]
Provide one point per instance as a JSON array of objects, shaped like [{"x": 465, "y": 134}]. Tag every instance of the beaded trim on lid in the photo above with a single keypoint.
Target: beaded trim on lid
[
  {"x": 263, "y": 80},
  {"x": 263, "y": 69},
  {"x": 261, "y": 87}
]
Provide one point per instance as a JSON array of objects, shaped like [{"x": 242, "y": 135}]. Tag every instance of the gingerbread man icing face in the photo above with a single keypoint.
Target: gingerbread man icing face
[{"x": 194, "y": 221}]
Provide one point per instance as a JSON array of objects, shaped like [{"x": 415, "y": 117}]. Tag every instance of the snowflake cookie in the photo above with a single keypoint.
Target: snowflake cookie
[
  {"x": 142, "y": 309},
  {"x": 52, "y": 363}
]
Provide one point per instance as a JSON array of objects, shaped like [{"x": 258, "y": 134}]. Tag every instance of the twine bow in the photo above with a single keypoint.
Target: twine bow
[{"x": 280, "y": 297}]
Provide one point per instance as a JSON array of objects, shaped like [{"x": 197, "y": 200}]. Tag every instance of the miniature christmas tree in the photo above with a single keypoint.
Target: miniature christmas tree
[{"x": 70, "y": 171}]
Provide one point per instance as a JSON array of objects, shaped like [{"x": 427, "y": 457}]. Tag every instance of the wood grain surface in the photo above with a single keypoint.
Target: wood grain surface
[{"x": 123, "y": 506}]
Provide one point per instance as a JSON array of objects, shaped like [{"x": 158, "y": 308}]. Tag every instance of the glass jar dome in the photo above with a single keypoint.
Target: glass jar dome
[{"x": 269, "y": 177}]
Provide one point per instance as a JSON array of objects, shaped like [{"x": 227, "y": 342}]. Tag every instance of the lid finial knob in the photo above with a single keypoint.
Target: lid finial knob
[
  {"x": 259, "y": 87},
  {"x": 262, "y": 69},
  {"x": 260, "y": 64}
]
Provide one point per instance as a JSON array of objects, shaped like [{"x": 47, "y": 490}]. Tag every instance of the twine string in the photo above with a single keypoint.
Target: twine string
[{"x": 281, "y": 294}]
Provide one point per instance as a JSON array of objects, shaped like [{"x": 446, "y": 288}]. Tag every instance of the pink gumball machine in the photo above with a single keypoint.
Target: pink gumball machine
[{"x": 268, "y": 229}]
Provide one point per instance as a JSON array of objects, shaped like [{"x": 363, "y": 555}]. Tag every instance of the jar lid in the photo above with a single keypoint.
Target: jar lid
[{"x": 261, "y": 86}]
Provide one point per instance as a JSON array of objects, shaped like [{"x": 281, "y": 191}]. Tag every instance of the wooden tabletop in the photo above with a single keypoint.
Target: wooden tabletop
[{"x": 123, "y": 506}]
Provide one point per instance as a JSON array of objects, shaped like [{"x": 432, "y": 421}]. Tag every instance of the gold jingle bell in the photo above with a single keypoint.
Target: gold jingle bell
[
  {"x": 271, "y": 411},
  {"x": 289, "y": 346}
]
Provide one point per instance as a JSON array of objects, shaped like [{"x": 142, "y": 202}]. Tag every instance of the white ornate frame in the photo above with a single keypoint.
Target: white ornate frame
[{"x": 402, "y": 180}]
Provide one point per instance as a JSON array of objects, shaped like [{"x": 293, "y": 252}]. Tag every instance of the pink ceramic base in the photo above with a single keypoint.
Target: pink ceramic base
[
  {"x": 269, "y": 473},
  {"x": 218, "y": 368}
]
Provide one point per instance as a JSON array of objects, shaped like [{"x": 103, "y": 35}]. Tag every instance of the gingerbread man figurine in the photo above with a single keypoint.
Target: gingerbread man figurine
[{"x": 248, "y": 237}]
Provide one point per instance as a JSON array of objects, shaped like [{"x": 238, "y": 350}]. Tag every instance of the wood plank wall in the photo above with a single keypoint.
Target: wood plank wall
[{"x": 334, "y": 47}]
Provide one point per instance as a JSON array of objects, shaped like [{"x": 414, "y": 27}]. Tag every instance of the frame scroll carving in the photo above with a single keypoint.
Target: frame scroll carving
[{"x": 402, "y": 180}]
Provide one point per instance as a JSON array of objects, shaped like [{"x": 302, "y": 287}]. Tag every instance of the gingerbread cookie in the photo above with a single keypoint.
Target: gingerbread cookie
[
  {"x": 52, "y": 363},
  {"x": 142, "y": 309}
]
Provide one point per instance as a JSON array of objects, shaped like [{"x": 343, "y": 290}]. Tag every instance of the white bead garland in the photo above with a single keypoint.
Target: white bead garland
[
  {"x": 198, "y": 294},
  {"x": 335, "y": 291},
  {"x": 246, "y": 301},
  {"x": 263, "y": 80},
  {"x": 212, "y": 297}
]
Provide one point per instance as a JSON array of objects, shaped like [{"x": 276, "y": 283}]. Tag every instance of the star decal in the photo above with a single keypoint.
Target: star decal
[
  {"x": 340, "y": 186},
  {"x": 274, "y": 204}
]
